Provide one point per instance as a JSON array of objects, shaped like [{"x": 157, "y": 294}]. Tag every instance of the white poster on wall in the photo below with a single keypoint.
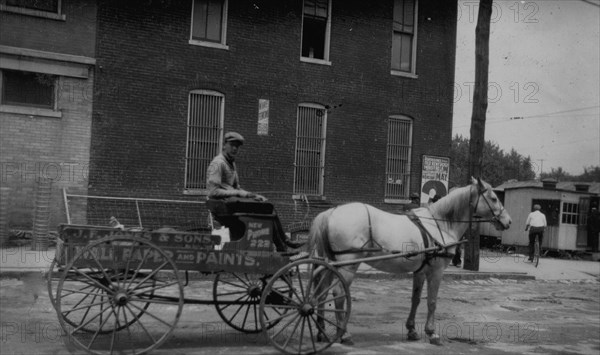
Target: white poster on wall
[
  {"x": 263, "y": 117},
  {"x": 434, "y": 178}
]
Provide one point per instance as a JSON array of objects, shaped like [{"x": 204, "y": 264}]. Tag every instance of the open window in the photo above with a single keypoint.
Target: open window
[{"x": 316, "y": 27}]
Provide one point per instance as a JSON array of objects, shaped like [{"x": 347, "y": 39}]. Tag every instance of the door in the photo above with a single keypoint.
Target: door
[{"x": 584, "y": 208}]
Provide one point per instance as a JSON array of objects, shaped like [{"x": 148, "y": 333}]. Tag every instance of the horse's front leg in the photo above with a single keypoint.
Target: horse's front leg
[
  {"x": 418, "y": 280},
  {"x": 434, "y": 279}
]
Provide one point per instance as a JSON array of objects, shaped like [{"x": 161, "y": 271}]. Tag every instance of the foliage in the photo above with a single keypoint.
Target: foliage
[
  {"x": 590, "y": 174},
  {"x": 497, "y": 168}
]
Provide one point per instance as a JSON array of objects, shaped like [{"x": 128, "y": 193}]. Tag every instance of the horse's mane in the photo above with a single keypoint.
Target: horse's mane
[{"x": 452, "y": 207}]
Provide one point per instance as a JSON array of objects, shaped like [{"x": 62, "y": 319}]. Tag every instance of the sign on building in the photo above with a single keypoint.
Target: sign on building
[
  {"x": 263, "y": 117},
  {"x": 434, "y": 177}
]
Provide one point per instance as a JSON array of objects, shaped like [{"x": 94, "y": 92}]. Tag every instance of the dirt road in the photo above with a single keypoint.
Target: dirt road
[{"x": 480, "y": 316}]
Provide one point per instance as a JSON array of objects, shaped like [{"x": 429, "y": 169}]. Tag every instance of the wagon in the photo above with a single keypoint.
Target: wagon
[
  {"x": 123, "y": 291},
  {"x": 118, "y": 291}
]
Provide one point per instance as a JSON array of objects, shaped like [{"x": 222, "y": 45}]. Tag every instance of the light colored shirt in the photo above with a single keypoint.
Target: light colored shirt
[
  {"x": 536, "y": 219},
  {"x": 222, "y": 178}
]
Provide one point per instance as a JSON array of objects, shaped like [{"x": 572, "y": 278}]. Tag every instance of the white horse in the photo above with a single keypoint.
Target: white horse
[{"x": 355, "y": 230}]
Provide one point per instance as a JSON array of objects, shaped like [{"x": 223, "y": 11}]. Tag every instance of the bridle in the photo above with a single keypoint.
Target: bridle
[{"x": 481, "y": 195}]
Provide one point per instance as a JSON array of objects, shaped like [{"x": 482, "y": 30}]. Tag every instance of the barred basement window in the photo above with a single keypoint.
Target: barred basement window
[
  {"x": 309, "y": 164},
  {"x": 570, "y": 213},
  {"x": 404, "y": 36},
  {"x": 397, "y": 170},
  {"x": 204, "y": 136}
]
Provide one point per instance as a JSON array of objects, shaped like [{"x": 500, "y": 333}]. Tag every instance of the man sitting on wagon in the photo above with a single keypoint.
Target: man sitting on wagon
[{"x": 222, "y": 182}]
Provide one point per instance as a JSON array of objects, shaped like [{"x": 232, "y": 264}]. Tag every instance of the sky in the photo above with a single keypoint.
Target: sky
[{"x": 544, "y": 80}]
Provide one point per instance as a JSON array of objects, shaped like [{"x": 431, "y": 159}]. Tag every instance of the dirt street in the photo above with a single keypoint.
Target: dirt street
[{"x": 480, "y": 316}]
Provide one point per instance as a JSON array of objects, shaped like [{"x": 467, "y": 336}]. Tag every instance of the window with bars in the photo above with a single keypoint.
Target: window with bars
[
  {"x": 309, "y": 163},
  {"x": 204, "y": 136},
  {"x": 404, "y": 36},
  {"x": 399, "y": 148},
  {"x": 570, "y": 213},
  {"x": 209, "y": 20},
  {"x": 316, "y": 24}
]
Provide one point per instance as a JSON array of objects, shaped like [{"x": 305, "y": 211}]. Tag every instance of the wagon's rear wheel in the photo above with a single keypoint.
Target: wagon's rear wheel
[
  {"x": 237, "y": 299},
  {"x": 313, "y": 314},
  {"x": 108, "y": 286}
]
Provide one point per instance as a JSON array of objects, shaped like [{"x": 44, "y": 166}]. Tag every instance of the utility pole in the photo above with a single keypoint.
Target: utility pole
[{"x": 480, "y": 103}]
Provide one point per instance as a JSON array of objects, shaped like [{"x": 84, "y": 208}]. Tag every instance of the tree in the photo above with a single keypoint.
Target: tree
[{"x": 497, "y": 166}]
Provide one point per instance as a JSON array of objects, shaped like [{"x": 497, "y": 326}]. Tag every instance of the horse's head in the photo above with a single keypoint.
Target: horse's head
[{"x": 486, "y": 205}]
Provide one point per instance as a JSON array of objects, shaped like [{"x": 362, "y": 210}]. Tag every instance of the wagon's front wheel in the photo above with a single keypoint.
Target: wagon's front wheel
[
  {"x": 119, "y": 295},
  {"x": 312, "y": 301}
]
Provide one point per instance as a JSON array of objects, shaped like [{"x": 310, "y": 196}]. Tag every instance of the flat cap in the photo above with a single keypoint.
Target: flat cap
[{"x": 234, "y": 137}]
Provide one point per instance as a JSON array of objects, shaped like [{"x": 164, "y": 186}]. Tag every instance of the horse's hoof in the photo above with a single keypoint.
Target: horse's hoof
[
  {"x": 435, "y": 340},
  {"x": 412, "y": 335}
]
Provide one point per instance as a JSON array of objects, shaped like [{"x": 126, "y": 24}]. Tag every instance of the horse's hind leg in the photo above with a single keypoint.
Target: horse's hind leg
[{"x": 418, "y": 280}]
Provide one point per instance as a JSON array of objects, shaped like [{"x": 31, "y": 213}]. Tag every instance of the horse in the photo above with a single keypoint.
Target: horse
[{"x": 354, "y": 231}]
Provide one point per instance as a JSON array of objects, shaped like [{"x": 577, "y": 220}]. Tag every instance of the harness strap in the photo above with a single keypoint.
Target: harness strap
[{"x": 426, "y": 236}]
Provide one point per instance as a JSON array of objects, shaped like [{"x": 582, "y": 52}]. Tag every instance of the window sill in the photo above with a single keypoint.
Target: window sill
[
  {"x": 30, "y": 111},
  {"x": 396, "y": 201},
  {"x": 196, "y": 42},
  {"x": 315, "y": 61},
  {"x": 404, "y": 74},
  {"x": 195, "y": 192},
  {"x": 34, "y": 13},
  {"x": 302, "y": 197}
]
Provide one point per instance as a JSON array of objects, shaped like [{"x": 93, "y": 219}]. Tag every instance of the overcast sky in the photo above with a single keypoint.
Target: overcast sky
[{"x": 545, "y": 68}]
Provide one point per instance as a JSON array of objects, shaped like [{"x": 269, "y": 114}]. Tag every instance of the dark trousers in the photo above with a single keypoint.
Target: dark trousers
[{"x": 533, "y": 232}]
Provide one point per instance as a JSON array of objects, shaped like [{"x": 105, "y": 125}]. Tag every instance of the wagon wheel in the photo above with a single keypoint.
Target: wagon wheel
[
  {"x": 308, "y": 320},
  {"x": 109, "y": 285},
  {"x": 52, "y": 281},
  {"x": 237, "y": 299},
  {"x": 53, "y": 276}
]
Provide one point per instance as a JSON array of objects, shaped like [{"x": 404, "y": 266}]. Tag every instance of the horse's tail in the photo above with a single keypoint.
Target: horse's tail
[{"x": 318, "y": 242}]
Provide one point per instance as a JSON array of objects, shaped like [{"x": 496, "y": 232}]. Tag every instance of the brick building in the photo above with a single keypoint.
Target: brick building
[
  {"x": 337, "y": 100},
  {"x": 46, "y": 81}
]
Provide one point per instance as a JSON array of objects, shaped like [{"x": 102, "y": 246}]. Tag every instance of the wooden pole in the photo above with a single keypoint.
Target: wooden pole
[{"x": 480, "y": 103}]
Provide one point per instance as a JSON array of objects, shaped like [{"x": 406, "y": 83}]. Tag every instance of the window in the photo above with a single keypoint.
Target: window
[
  {"x": 204, "y": 132},
  {"x": 404, "y": 37},
  {"x": 316, "y": 26},
  {"x": 309, "y": 165},
  {"x": 570, "y": 213},
  {"x": 29, "y": 89},
  {"x": 51, "y": 9},
  {"x": 209, "y": 22},
  {"x": 397, "y": 170}
]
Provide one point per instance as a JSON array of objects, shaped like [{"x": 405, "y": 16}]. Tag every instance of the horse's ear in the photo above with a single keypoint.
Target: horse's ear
[
  {"x": 478, "y": 182},
  {"x": 474, "y": 181}
]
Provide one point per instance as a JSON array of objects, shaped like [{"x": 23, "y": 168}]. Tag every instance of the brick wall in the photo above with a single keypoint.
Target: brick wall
[
  {"x": 146, "y": 69},
  {"x": 43, "y": 147}
]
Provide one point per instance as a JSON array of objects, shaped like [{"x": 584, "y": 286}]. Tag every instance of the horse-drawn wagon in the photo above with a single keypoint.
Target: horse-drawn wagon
[{"x": 118, "y": 291}]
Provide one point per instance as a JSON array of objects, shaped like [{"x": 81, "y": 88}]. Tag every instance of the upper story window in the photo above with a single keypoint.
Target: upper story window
[
  {"x": 209, "y": 23},
  {"x": 309, "y": 163},
  {"x": 204, "y": 133},
  {"x": 399, "y": 149},
  {"x": 316, "y": 28},
  {"x": 20, "y": 88},
  {"x": 40, "y": 8},
  {"x": 404, "y": 37}
]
